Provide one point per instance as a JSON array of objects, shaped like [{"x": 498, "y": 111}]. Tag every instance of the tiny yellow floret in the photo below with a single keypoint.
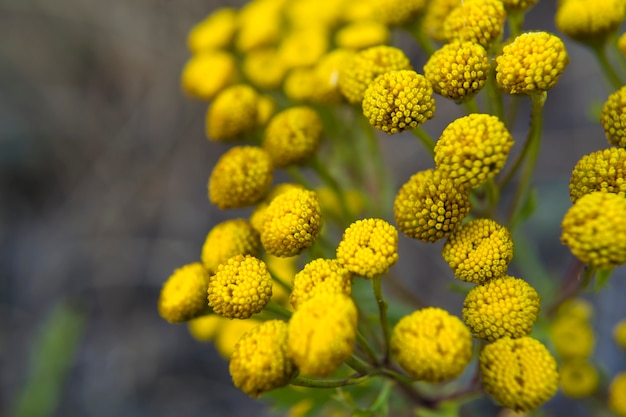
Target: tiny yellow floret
[
  {"x": 613, "y": 117},
  {"x": 257, "y": 218},
  {"x": 227, "y": 239},
  {"x": 232, "y": 114},
  {"x": 183, "y": 296},
  {"x": 603, "y": 170},
  {"x": 320, "y": 276},
  {"x": 478, "y": 21}
]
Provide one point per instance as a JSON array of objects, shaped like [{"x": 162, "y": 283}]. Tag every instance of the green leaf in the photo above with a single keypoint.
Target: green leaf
[
  {"x": 460, "y": 287},
  {"x": 528, "y": 208},
  {"x": 602, "y": 276}
]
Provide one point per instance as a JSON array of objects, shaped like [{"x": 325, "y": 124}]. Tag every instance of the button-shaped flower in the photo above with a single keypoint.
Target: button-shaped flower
[
  {"x": 587, "y": 21},
  {"x": 208, "y": 73},
  {"x": 619, "y": 333},
  {"x": 603, "y": 170},
  {"x": 518, "y": 5},
  {"x": 579, "y": 378},
  {"x": 617, "y": 394},
  {"x": 183, "y": 296},
  {"x": 572, "y": 337},
  {"x": 227, "y": 239},
  {"x": 478, "y": 21},
  {"x": 613, "y": 117},
  {"x": 320, "y": 276},
  {"x": 214, "y": 32},
  {"x": 232, "y": 114}
]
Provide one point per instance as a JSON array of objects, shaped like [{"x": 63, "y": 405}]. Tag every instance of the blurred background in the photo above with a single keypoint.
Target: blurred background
[{"x": 103, "y": 171}]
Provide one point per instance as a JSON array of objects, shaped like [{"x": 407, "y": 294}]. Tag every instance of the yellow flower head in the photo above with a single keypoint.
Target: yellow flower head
[
  {"x": 331, "y": 204},
  {"x": 435, "y": 15},
  {"x": 208, "y": 73},
  {"x": 594, "y": 229},
  {"x": 579, "y": 378},
  {"x": 227, "y": 239},
  {"x": 314, "y": 13},
  {"x": 205, "y": 328},
  {"x": 362, "y": 34},
  {"x": 292, "y": 223},
  {"x": 259, "y": 362},
  {"x": 519, "y": 374},
  {"x": 502, "y": 307},
  {"x": 266, "y": 107},
  {"x": 398, "y": 100},
  {"x": 572, "y": 337},
  {"x": 183, "y": 296},
  {"x": 518, "y": 5},
  {"x": 232, "y": 114},
  {"x": 299, "y": 85},
  {"x": 603, "y": 170},
  {"x": 241, "y": 177},
  {"x": 303, "y": 47},
  {"x": 617, "y": 395},
  {"x": 325, "y": 77},
  {"x": 473, "y": 149},
  {"x": 397, "y": 12},
  {"x": 478, "y": 21},
  {"x": 216, "y": 31},
  {"x": 429, "y": 206},
  {"x": 613, "y": 117},
  {"x": 576, "y": 308},
  {"x": 264, "y": 68},
  {"x": 363, "y": 67},
  {"x": 431, "y": 345},
  {"x": 619, "y": 333},
  {"x": 259, "y": 25},
  {"x": 320, "y": 276},
  {"x": 621, "y": 45},
  {"x": 479, "y": 251},
  {"x": 257, "y": 218},
  {"x": 230, "y": 333},
  {"x": 532, "y": 63},
  {"x": 322, "y": 332},
  {"x": 293, "y": 136},
  {"x": 241, "y": 287},
  {"x": 369, "y": 247},
  {"x": 458, "y": 70},
  {"x": 586, "y": 20}
]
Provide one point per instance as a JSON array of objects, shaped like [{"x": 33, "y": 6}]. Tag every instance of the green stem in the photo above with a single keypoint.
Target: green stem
[
  {"x": 329, "y": 180},
  {"x": 494, "y": 97},
  {"x": 420, "y": 37},
  {"x": 358, "y": 365},
  {"x": 471, "y": 106},
  {"x": 297, "y": 176},
  {"x": 493, "y": 196},
  {"x": 425, "y": 138},
  {"x": 277, "y": 309},
  {"x": 382, "y": 310},
  {"x": 516, "y": 23},
  {"x": 302, "y": 381},
  {"x": 280, "y": 282},
  {"x": 364, "y": 344},
  {"x": 599, "y": 52}
]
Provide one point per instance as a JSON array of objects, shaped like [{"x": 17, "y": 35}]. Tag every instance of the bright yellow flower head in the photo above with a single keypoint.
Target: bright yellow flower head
[
  {"x": 304, "y": 14},
  {"x": 429, "y": 206},
  {"x": 518, "y": 5},
  {"x": 594, "y": 229},
  {"x": 586, "y": 20},
  {"x": 322, "y": 332},
  {"x": 183, "y": 296},
  {"x": 398, "y": 100},
  {"x": 257, "y": 218},
  {"x": 572, "y": 337},
  {"x": 479, "y": 250},
  {"x": 227, "y": 239},
  {"x": 230, "y": 333},
  {"x": 208, "y": 73},
  {"x": 532, "y": 63},
  {"x": 241, "y": 287},
  {"x": 519, "y": 374},
  {"x": 435, "y": 15},
  {"x": 613, "y": 117},
  {"x": 216, "y": 31},
  {"x": 502, "y": 307},
  {"x": 264, "y": 68},
  {"x": 299, "y": 85},
  {"x": 603, "y": 170},
  {"x": 232, "y": 114},
  {"x": 458, "y": 70},
  {"x": 369, "y": 247},
  {"x": 473, "y": 149},
  {"x": 303, "y": 47},
  {"x": 619, "y": 333},
  {"x": 259, "y": 362},
  {"x": 259, "y": 24},
  {"x": 320, "y": 276},
  {"x": 362, "y": 34},
  {"x": 266, "y": 107},
  {"x": 325, "y": 77},
  {"x": 397, "y": 12},
  {"x": 362, "y": 68},
  {"x": 478, "y": 21},
  {"x": 205, "y": 328},
  {"x": 292, "y": 223},
  {"x": 617, "y": 395},
  {"x": 579, "y": 378},
  {"x": 431, "y": 345},
  {"x": 241, "y": 177},
  {"x": 293, "y": 136}
]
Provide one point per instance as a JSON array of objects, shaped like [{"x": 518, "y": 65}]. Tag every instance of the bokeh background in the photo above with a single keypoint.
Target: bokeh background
[{"x": 103, "y": 171}]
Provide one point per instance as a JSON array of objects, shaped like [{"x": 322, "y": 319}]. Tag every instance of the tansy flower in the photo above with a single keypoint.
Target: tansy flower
[
  {"x": 621, "y": 44},
  {"x": 458, "y": 70},
  {"x": 313, "y": 13},
  {"x": 325, "y": 77},
  {"x": 208, "y": 73},
  {"x": 241, "y": 287},
  {"x": 594, "y": 229},
  {"x": 613, "y": 117},
  {"x": 576, "y": 308},
  {"x": 183, "y": 295},
  {"x": 519, "y": 374},
  {"x": 322, "y": 332},
  {"x": 579, "y": 378},
  {"x": 587, "y": 21},
  {"x": 227, "y": 239},
  {"x": 397, "y": 12},
  {"x": 230, "y": 333},
  {"x": 431, "y": 345},
  {"x": 257, "y": 218},
  {"x": 429, "y": 206},
  {"x": 259, "y": 25},
  {"x": 435, "y": 15},
  {"x": 619, "y": 333},
  {"x": 232, "y": 113},
  {"x": 259, "y": 362},
  {"x": 292, "y": 223},
  {"x": 320, "y": 276},
  {"x": 398, "y": 100},
  {"x": 369, "y": 247},
  {"x": 205, "y": 328},
  {"x": 617, "y": 394},
  {"x": 216, "y": 31},
  {"x": 603, "y": 170},
  {"x": 363, "y": 67},
  {"x": 293, "y": 136},
  {"x": 572, "y": 337},
  {"x": 299, "y": 85},
  {"x": 303, "y": 47},
  {"x": 478, "y": 21},
  {"x": 479, "y": 251},
  {"x": 241, "y": 177},
  {"x": 362, "y": 34},
  {"x": 518, "y": 5},
  {"x": 501, "y": 307},
  {"x": 532, "y": 63},
  {"x": 264, "y": 68},
  {"x": 266, "y": 107},
  {"x": 473, "y": 149}
]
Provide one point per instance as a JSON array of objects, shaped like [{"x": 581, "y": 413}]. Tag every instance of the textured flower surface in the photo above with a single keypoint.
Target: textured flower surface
[
  {"x": 259, "y": 361},
  {"x": 230, "y": 333},
  {"x": 603, "y": 170},
  {"x": 431, "y": 345},
  {"x": 397, "y": 12},
  {"x": 479, "y": 251},
  {"x": 613, "y": 117},
  {"x": 322, "y": 332},
  {"x": 398, "y": 100},
  {"x": 478, "y": 21},
  {"x": 183, "y": 295},
  {"x": 233, "y": 113},
  {"x": 241, "y": 287},
  {"x": 586, "y": 20},
  {"x": 532, "y": 63},
  {"x": 227, "y": 239},
  {"x": 594, "y": 229},
  {"x": 502, "y": 307},
  {"x": 257, "y": 218},
  {"x": 429, "y": 206},
  {"x": 208, "y": 73},
  {"x": 518, "y": 5},
  {"x": 320, "y": 276},
  {"x": 579, "y": 378},
  {"x": 473, "y": 149},
  {"x": 520, "y": 374},
  {"x": 617, "y": 394}
]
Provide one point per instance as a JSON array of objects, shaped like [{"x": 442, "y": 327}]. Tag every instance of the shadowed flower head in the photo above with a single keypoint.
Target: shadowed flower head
[
  {"x": 320, "y": 276},
  {"x": 587, "y": 21},
  {"x": 518, "y": 5},
  {"x": 579, "y": 378},
  {"x": 478, "y": 21},
  {"x": 619, "y": 333},
  {"x": 183, "y": 296},
  {"x": 617, "y": 394},
  {"x": 397, "y": 12},
  {"x": 603, "y": 170},
  {"x": 232, "y": 114},
  {"x": 572, "y": 337},
  {"x": 207, "y": 73},
  {"x": 613, "y": 117},
  {"x": 435, "y": 15},
  {"x": 227, "y": 239}
]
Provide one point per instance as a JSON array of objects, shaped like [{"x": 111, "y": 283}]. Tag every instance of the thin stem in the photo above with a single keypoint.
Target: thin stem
[
  {"x": 425, "y": 138},
  {"x": 516, "y": 23},
  {"x": 364, "y": 344},
  {"x": 471, "y": 106},
  {"x": 328, "y": 179},
  {"x": 600, "y": 54},
  {"x": 278, "y": 309},
  {"x": 420, "y": 37},
  {"x": 382, "y": 310},
  {"x": 493, "y": 196},
  {"x": 358, "y": 365},
  {"x": 296, "y": 175},
  {"x": 280, "y": 282},
  {"x": 569, "y": 285},
  {"x": 494, "y": 97},
  {"x": 302, "y": 381}
]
